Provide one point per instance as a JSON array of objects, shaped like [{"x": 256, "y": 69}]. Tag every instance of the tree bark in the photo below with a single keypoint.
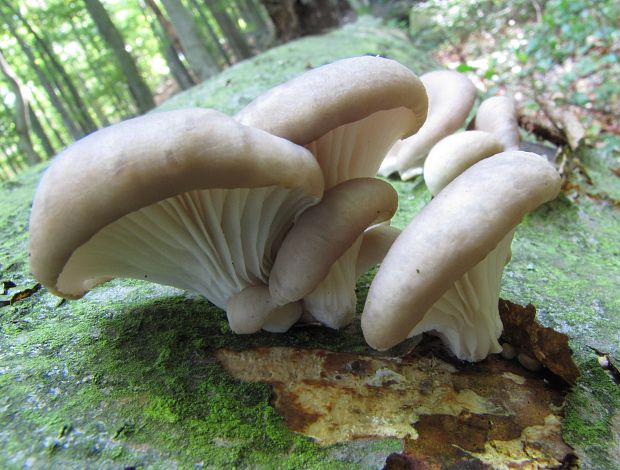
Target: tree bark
[
  {"x": 38, "y": 129},
  {"x": 294, "y": 18},
  {"x": 137, "y": 86},
  {"x": 197, "y": 54},
  {"x": 171, "y": 47},
  {"x": 58, "y": 104},
  {"x": 213, "y": 36},
  {"x": 73, "y": 99},
  {"x": 22, "y": 117},
  {"x": 229, "y": 28}
]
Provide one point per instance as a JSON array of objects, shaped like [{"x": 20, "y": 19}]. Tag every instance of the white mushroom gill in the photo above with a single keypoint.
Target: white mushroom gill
[
  {"x": 206, "y": 241},
  {"x": 356, "y": 149},
  {"x": 466, "y": 317},
  {"x": 333, "y": 301}
]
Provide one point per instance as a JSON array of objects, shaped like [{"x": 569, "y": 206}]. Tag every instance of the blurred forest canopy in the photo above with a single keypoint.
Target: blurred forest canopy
[{"x": 69, "y": 67}]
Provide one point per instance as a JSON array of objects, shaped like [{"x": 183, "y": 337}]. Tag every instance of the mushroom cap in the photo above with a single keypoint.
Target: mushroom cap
[
  {"x": 498, "y": 116},
  {"x": 349, "y": 113},
  {"x": 451, "y": 97},
  {"x": 140, "y": 162},
  {"x": 454, "y": 154},
  {"x": 452, "y": 234},
  {"x": 324, "y": 232}
]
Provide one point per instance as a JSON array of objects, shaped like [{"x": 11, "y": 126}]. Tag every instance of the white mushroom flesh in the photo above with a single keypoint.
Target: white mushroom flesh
[{"x": 214, "y": 242}]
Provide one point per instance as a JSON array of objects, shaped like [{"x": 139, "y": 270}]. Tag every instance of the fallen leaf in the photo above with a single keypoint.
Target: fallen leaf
[{"x": 548, "y": 346}]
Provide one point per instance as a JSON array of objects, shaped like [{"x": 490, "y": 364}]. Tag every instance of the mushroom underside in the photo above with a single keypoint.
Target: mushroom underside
[
  {"x": 466, "y": 316},
  {"x": 214, "y": 242},
  {"x": 356, "y": 149}
]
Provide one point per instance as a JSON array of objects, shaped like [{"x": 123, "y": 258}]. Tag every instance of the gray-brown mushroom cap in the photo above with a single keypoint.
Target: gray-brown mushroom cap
[
  {"x": 132, "y": 166},
  {"x": 451, "y": 235},
  {"x": 348, "y": 113},
  {"x": 454, "y": 154},
  {"x": 498, "y": 116},
  {"x": 451, "y": 96}
]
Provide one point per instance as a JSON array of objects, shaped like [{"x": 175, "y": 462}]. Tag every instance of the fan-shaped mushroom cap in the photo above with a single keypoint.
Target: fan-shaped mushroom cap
[
  {"x": 454, "y": 154},
  {"x": 451, "y": 96},
  {"x": 321, "y": 236},
  {"x": 498, "y": 116},
  {"x": 376, "y": 242},
  {"x": 450, "y": 236},
  {"x": 348, "y": 113},
  {"x": 189, "y": 198}
]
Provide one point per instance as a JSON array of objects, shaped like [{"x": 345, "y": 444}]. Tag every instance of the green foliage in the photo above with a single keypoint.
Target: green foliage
[
  {"x": 63, "y": 30},
  {"x": 578, "y": 42}
]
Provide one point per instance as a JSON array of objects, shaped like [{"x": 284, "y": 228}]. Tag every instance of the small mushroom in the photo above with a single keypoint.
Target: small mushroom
[
  {"x": 451, "y": 97},
  {"x": 498, "y": 116},
  {"x": 305, "y": 266},
  {"x": 253, "y": 309},
  {"x": 454, "y": 154},
  {"x": 376, "y": 242},
  {"x": 187, "y": 198},
  {"x": 443, "y": 272}
]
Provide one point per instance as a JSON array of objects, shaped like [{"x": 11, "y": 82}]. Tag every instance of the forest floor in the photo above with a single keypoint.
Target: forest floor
[{"x": 137, "y": 375}]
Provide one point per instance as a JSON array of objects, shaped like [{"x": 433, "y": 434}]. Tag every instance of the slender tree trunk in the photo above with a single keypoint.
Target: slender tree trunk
[
  {"x": 60, "y": 140},
  {"x": 85, "y": 44},
  {"x": 22, "y": 118},
  {"x": 172, "y": 47},
  {"x": 80, "y": 107},
  {"x": 229, "y": 29},
  {"x": 139, "y": 90},
  {"x": 41, "y": 134},
  {"x": 213, "y": 36},
  {"x": 65, "y": 115},
  {"x": 196, "y": 52}
]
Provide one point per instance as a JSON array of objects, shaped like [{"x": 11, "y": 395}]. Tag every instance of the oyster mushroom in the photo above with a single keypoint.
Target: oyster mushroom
[
  {"x": 451, "y": 97},
  {"x": 348, "y": 114},
  {"x": 443, "y": 272},
  {"x": 329, "y": 231},
  {"x": 187, "y": 198},
  {"x": 498, "y": 116},
  {"x": 454, "y": 154}
]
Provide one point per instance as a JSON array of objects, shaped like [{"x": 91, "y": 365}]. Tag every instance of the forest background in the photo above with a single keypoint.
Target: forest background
[{"x": 69, "y": 67}]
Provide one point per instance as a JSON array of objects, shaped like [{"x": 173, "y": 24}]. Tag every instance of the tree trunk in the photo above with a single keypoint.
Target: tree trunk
[
  {"x": 196, "y": 52},
  {"x": 22, "y": 118},
  {"x": 137, "y": 86},
  {"x": 58, "y": 104},
  {"x": 73, "y": 99},
  {"x": 171, "y": 47},
  {"x": 229, "y": 28},
  {"x": 112, "y": 95},
  {"x": 41, "y": 134},
  {"x": 294, "y": 18},
  {"x": 213, "y": 36}
]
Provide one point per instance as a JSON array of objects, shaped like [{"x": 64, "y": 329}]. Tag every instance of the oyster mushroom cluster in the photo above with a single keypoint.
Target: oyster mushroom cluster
[{"x": 273, "y": 214}]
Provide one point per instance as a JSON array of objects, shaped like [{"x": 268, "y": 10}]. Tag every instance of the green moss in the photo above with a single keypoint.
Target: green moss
[{"x": 590, "y": 408}]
